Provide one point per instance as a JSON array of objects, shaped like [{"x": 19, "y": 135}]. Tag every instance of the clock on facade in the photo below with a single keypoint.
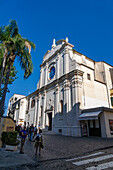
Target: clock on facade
[{"x": 52, "y": 72}]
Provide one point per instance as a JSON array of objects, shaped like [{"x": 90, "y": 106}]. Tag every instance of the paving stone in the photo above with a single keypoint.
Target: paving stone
[{"x": 56, "y": 149}]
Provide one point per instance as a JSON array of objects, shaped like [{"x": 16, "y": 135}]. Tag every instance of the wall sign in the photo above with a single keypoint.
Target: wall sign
[{"x": 111, "y": 126}]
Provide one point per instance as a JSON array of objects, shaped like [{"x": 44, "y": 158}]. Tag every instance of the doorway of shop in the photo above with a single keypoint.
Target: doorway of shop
[{"x": 94, "y": 127}]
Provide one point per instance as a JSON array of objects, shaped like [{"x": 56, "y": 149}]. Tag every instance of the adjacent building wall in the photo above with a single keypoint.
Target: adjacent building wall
[{"x": 108, "y": 116}]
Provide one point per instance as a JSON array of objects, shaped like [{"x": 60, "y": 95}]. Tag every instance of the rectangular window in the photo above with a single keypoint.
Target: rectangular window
[
  {"x": 91, "y": 123},
  {"x": 88, "y": 76},
  {"x": 97, "y": 123},
  {"x": 112, "y": 101}
]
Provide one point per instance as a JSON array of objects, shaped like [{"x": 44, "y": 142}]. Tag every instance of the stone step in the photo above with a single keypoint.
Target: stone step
[{"x": 48, "y": 132}]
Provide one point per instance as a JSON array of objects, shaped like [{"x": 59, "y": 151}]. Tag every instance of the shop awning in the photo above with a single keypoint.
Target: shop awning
[{"x": 89, "y": 115}]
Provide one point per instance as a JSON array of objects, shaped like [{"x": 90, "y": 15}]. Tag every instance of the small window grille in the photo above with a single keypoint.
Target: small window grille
[{"x": 88, "y": 77}]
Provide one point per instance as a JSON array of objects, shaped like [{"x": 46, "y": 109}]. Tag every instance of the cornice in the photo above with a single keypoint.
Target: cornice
[
  {"x": 34, "y": 93},
  {"x": 48, "y": 110},
  {"x": 56, "y": 82},
  {"x": 86, "y": 66}
]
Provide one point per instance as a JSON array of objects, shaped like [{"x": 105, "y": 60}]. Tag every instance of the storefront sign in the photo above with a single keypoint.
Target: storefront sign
[
  {"x": 111, "y": 126},
  {"x": 10, "y": 129}
]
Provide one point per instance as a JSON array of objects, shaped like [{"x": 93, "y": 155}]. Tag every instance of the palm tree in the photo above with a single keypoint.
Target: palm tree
[
  {"x": 12, "y": 78},
  {"x": 15, "y": 46},
  {"x": 5, "y": 33}
]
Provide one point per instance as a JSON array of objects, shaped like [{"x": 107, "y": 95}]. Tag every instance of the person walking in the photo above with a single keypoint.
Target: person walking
[
  {"x": 23, "y": 137},
  {"x": 35, "y": 131},
  {"x": 31, "y": 132},
  {"x": 38, "y": 125},
  {"x": 38, "y": 142},
  {"x": 27, "y": 130}
]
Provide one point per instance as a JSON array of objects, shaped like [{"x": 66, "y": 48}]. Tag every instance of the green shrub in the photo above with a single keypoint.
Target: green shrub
[{"x": 10, "y": 138}]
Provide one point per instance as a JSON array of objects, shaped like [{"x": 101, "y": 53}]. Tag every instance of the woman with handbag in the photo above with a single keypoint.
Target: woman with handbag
[
  {"x": 38, "y": 142},
  {"x": 23, "y": 137}
]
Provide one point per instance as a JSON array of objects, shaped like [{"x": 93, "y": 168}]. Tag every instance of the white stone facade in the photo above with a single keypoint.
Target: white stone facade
[
  {"x": 78, "y": 83},
  {"x": 69, "y": 83}
]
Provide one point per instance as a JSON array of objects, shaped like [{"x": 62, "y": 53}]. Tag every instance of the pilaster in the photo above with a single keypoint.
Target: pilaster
[
  {"x": 74, "y": 92},
  {"x": 46, "y": 76},
  {"x": 44, "y": 108},
  {"x": 41, "y": 75},
  {"x": 69, "y": 97},
  {"x": 56, "y": 99},
  {"x": 57, "y": 66},
  {"x": 66, "y": 96},
  {"x": 35, "y": 114},
  {"x": 38, "y": 110},
  {"x": 66, "y": 60},
  {"x": 79, "y": 82}
]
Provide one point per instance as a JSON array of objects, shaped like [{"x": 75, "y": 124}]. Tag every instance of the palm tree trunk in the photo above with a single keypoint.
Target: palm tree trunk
[
  {"x": 3, "y": 67},
  {"x": 5, "y": 89}
]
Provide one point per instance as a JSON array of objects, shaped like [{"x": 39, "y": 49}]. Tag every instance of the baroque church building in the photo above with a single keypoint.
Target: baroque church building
[{"x": 73, "y": 96}]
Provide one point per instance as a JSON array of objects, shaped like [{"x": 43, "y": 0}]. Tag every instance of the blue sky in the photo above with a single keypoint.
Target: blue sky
[{"x": 87, "y": 23}]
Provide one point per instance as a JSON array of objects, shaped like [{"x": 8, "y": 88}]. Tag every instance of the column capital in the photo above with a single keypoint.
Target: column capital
[
  {"x": 39, "y": 95},
  {"x": 57, "y": 88},
  {"x": 36, "y": 98},
  {"x": 76, "y": 81},
  {"x": 57, "y": 56},
  {"x": 79, "y": 80},
  {"x": 66, "y": 85},
  {"x": 44, "y": 93},
  {"x": 73, "y": 79},
  {"x": 65, "y": 50},
  {"x": 47, "y": 65}
]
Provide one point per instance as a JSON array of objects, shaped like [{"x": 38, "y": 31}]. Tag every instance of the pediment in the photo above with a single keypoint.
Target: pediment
[{"x": 51, "y": 52}]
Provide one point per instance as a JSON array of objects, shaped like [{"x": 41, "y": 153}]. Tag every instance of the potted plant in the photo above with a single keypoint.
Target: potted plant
[{"x": 10, "y": 140}]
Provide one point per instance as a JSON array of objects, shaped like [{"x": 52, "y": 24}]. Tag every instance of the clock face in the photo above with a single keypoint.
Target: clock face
[{"x": 52, "y": 73}]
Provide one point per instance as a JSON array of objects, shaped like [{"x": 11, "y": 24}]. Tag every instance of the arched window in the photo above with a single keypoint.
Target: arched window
[
  {"x": 61, "y": 106},
  {"x": 32, "y": 103},
  {"x": 51, "y": 72}
]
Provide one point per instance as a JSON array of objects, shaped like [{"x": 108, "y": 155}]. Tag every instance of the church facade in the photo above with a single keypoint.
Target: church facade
[{"x": 73, "y": 95}]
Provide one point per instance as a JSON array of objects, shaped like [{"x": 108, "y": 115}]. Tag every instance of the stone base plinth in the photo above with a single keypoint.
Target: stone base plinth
[{"x": 11, "y": 148}]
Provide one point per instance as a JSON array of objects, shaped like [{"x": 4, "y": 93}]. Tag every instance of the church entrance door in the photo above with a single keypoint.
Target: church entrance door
[{"x": 50, "y": 121}]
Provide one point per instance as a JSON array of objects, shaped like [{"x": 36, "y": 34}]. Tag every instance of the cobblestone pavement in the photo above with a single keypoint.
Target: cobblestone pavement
[{"x": 56, "y": 150}]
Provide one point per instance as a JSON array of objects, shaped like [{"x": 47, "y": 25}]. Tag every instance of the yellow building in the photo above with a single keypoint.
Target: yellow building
[
  {"x": 111, "y": 95},
  {"x": 6, "y": 124}
]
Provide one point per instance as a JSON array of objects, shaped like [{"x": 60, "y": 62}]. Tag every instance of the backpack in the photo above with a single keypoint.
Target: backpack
[
  {"x": 32, "y": 128},
  {"x": 20, "y": 133},
  {"x": 37, "y": 138}
]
